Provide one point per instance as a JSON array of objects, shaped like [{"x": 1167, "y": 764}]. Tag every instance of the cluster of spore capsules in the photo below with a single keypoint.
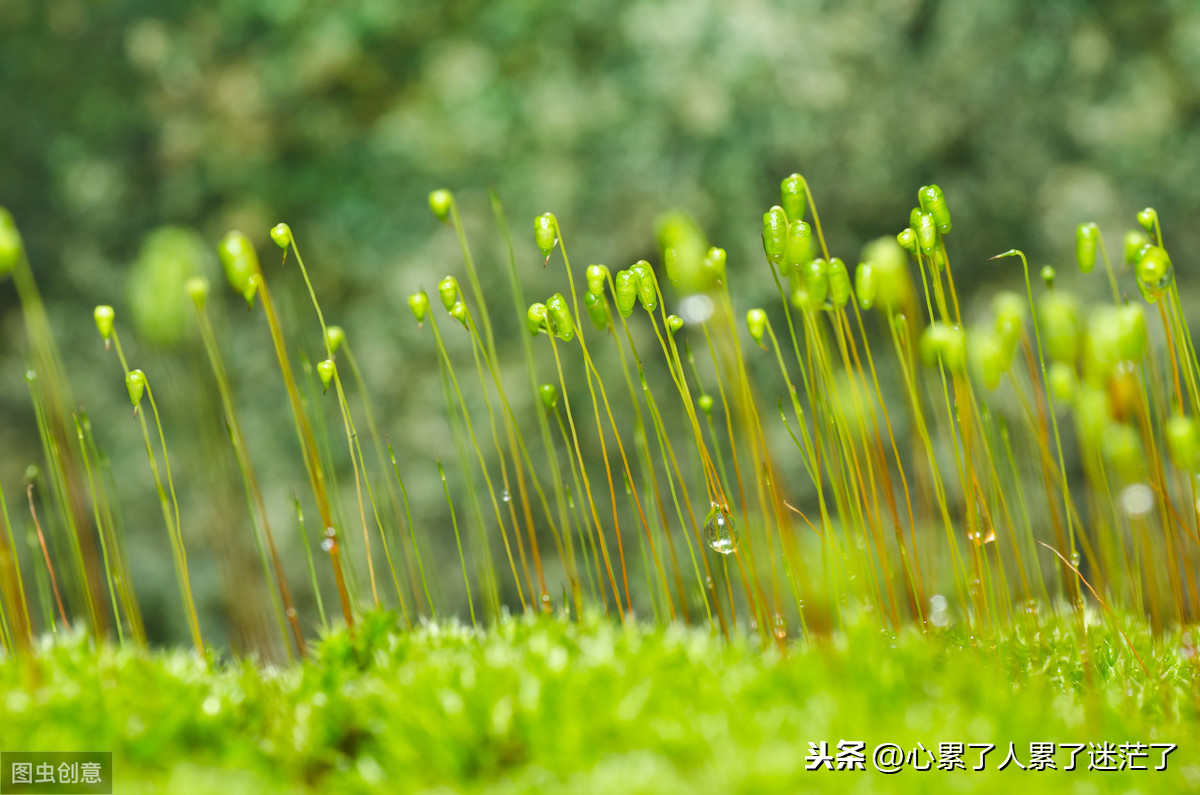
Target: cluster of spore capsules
[{"x": 869, "y": 448}]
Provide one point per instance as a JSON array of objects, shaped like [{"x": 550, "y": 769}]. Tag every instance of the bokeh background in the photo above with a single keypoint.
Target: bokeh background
[{"x": 119, "y": 118}]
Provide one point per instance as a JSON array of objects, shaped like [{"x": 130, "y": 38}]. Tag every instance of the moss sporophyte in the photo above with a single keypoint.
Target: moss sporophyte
[{"x": 858, "y": 445}]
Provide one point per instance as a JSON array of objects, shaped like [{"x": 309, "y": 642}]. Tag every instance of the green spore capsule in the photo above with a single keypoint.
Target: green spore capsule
[
  {"x": 1154, "y": 272},
  {"x": 549, "y": 396},
  {"x": 775, "y": 235},
  {"x": 282, "y": 235},
  {"x": 418, "y": 302},
  {"x": 11, "y": 245},
  {"x": 986, "y": 354},
  {"x": 545, "y": 233},
  {"x": 907, "y": 238},
  {"x": 448, "y": 290},
  {"x": 816, "y": 283},
  {"x": 459, "y": 313},
  {"x": 1087, "y": 235},
  {"x": 135, "y": 382},
  {"x": 1131, "y": 333},
  {"x": 705, "y": 402},
  {"x": 756, "y": 323},
  {"x": 1061, "y": 382},
  {"x": 1010, "y": 322},
  {"x": 674, "y": 323},
  {"x": 683, "y": 248},
  {"x": 326, "y": 370},
  {"x": 945, "y": 343},
  {"x": 714, "y": 262},
  {"x": 1135, "y": 243},
  {"x": 839, "y": 283},
  {"x": 719, "y": 532},
  {"x": 1092, "y": 415},
  {"x": 240, "y": 262},
  {"x": 197, "y": 289},
  {"x": 933, "y": 202},
  {"x": 597, "y": 277},
  {"x": 597, "y": 309},
  {"x": 865, "y": 285},
  {"x": 799, "y": 245},
  {"x": 793, "y": 197},
  {"x": 560, "y": 317},
  {"x": 890, "y": 265},
  {"x": 625, "y": 288},
  {"x": 252, "y": 288},
  {"x": 1102, "y": 348},
  {"x": 1148, "y": 218},
  {"x": 334, "y": 337},
  {"x": 1048, "y": 274},
  {"x": 927, "y": 234},
  {"x": 440, "y": 201},
  {"x": 1183, "y": 442},
  {"x": 535, "y": 318},
  {"x": 104, "y": 315},
  {"x": 647, "y": 288},
  {"x": 155, "y": 286},
  {"x": 1058, "y": 314},
  {"x": 1122, "y": 448}
]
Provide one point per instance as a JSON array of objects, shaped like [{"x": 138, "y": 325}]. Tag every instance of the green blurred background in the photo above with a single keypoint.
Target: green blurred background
[{"x": 118, "y": 118}]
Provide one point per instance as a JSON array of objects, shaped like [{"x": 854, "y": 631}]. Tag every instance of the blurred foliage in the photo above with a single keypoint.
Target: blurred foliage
[
  {"x": 122, "y": 117},
  {"x": 539, "y": 704}
]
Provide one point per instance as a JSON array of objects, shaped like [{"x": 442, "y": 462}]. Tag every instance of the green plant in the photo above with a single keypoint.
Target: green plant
[
  {"x": 1016, "y": 496},
  {"x": 892, "y": 524}
]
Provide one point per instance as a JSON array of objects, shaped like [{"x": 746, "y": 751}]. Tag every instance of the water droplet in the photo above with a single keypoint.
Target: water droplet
[
  {"x": 546, "y": 601},
  {"x": 1137, "y": 500},
  {"x": 1188, "y": 647},
  {"x": 939, "y": 611},
  {"x": 506, "y": 496},
  {"x": 1075, "y": 559},
  {"x": 328, "y": 544},
  {"x": 780, "y": 629},
  {"x": 695, "y": 308},
  {"x": 291, "y": 612},
  {"x": 718, "y": 530}
]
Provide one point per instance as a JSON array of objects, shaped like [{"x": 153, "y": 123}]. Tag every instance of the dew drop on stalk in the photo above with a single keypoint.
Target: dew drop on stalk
[
  {"x": 780, "y": 627},
  {"x": 330, "y": 541},
  {"x": 719, "y": 533},
  {"x": 506, "y": 496}
]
